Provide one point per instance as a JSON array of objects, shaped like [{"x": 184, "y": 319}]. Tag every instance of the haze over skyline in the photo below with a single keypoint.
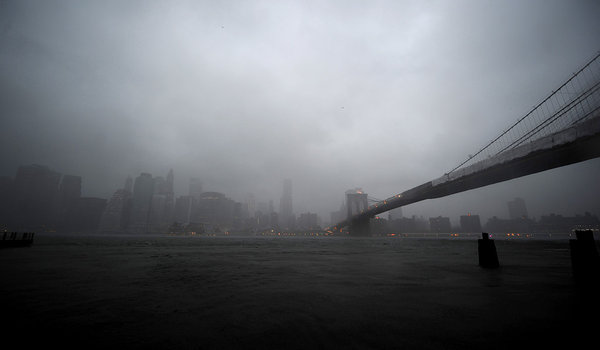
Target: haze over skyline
[{"x": 333, "y": 95}]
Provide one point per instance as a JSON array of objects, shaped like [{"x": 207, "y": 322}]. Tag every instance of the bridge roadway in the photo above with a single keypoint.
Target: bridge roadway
[{"x": 575, "y": 144}]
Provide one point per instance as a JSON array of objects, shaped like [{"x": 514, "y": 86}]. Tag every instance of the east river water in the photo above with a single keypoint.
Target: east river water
[{"x": 164, "y": 292}]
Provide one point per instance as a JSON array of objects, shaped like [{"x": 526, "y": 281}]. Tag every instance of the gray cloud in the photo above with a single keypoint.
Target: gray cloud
[{"x": 382, "y": 95}]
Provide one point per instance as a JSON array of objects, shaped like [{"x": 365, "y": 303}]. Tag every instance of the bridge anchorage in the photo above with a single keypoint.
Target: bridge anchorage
[{"x": 563, "y": 129}]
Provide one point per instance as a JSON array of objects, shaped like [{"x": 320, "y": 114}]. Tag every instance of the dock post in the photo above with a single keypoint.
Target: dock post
[
  {"x": 584, "y": 258},
  {"x": 488, "y": 257}
]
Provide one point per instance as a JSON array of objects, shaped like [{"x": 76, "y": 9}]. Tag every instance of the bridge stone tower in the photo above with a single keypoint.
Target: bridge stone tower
[{"x": 356, "y": 201}]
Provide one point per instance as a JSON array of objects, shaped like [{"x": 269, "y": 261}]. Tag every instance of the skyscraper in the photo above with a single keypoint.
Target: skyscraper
[
  {"x": 170, "y": 197},
  {"x": 195, "y": 188},
  {"x": 183, "y": 207},
  {"x": 114, "y": 218},
  {"x": 251, "y": 205},
  {"x": 162, "y": 204},
  {"x": 143, "y": 189},
  {"x": 285, "y": 205}
]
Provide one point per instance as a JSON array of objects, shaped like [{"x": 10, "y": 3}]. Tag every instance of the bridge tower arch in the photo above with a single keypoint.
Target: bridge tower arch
[{"x": 357, "y": 202}]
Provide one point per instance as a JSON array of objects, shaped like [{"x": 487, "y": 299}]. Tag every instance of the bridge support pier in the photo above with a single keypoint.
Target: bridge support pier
[
  {"x": 488, "y": 257},
  {"x": 360, "y": 227},
  {"x": 584, "y": 258}
]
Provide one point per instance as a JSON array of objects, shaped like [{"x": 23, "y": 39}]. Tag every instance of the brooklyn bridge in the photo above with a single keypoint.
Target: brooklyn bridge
[{"x": 563, "y": 129}]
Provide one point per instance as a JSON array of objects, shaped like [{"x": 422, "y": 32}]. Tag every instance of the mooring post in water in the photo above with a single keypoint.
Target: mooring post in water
[
  {"x": 584, "y": 258},
  {"x": 488, "y": 257}
]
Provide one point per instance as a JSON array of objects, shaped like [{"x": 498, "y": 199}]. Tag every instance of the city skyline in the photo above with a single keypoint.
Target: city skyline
[
  {"x": 282, "y": 174},
  {"x": 149, "y": 204},
  {"x": 397, "y": 99}
]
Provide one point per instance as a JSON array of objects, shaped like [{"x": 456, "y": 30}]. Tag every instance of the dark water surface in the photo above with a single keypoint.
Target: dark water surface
[{"x": 311, "y": 293}]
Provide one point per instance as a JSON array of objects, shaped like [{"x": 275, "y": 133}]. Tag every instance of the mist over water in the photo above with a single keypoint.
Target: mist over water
[{"x": 293, "y": 292}]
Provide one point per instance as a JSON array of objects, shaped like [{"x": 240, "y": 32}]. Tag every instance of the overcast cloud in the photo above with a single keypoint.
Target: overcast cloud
[{"x": 383, "y": 95}]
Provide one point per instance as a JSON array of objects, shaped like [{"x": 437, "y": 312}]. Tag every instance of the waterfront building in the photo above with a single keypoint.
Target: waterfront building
[
  {"x": 470, "y": 223},
  {"x": 440, "y": 225}
]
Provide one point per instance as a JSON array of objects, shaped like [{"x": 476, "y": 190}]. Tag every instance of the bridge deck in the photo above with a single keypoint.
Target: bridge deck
[{"x": 577, "y": 143}]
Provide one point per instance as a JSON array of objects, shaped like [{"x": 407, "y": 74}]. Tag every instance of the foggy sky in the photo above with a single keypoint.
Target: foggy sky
[{"x": 382, "y": 95}]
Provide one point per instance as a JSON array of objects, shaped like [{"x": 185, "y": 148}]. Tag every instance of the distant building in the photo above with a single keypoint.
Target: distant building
[
  {"x": 565, "y": 224},
  {"x": 143, "y": 190},
  {"x": 470, "y": 223},
  {"x": 183, "y": 209},
  {"x": 285, "y": 204},
  {"x": 70, "y": 190},
  {"x": 87, "y": 214},
  {"x": 162, "y": 204},
  {"x": 340, "y": 215},
  {"x": 421, "y": 225},
  {"x": 413, "y": 224},
  {"x": 195, "y": 188},
  {"x": 519, "y": 225},
  {"x": 307, "y": 221},
  {"x": 35, "y": 198},
  {"x": 517, "y": 209},
  {"x": 115, "y": 216},
  {"x": 157, "y": 221},
  {"x": 215, "y": 211},
  {"x": 160, "y": 185},
  {"x": 440, "y": 225},
  {"x": 259, "y": 221},
  {"x": 378, "y": 226},
  {"x": 274, "y": 220},
  {"x": 263, "y": 207},
  {"x": 169, "y": 193},
  {"x": 251, "y": 206},
  {"x": 395, "y": 214}
]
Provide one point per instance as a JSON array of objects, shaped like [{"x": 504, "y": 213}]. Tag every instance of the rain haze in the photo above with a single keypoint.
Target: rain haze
[
  {"x": 172, "y": 160},
  {"x": 381, "y": 95}
]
